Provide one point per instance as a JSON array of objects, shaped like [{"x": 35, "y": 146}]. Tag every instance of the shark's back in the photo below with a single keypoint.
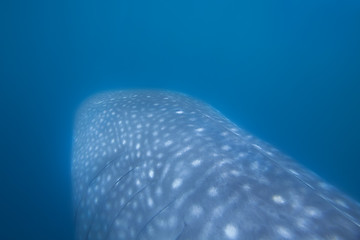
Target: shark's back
[{"x": 161, "y": 165}]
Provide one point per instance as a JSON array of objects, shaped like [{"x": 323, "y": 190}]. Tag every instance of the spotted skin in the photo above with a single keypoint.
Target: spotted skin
[{"x": 161, "y": 165}]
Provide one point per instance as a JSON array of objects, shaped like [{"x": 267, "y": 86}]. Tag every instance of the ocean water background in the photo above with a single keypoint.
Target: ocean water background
[{"x": 286, "y": 71}]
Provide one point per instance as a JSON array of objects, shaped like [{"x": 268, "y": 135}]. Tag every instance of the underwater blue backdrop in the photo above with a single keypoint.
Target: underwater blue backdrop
[{"x": 286, "y": 71}]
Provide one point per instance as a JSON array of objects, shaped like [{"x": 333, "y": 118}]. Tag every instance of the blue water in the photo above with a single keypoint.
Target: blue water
[{"x": 287, "y": 71}]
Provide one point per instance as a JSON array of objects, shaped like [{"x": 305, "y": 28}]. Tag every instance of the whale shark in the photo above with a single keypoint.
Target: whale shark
[{"x": 154, "y": 164}]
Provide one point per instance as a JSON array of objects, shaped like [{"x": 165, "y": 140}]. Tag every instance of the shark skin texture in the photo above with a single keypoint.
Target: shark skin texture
[{"x": 151, "y": 164}]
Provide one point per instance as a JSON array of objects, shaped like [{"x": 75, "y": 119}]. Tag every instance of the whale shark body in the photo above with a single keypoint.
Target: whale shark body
[{"x": 161, "y": 165}]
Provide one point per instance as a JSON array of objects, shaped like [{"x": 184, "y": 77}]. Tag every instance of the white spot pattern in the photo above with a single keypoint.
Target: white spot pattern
[{"x": 137, "y": 151}]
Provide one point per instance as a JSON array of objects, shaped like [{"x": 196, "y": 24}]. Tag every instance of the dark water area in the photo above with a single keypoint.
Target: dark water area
[{"x": 286, "y": 71}]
